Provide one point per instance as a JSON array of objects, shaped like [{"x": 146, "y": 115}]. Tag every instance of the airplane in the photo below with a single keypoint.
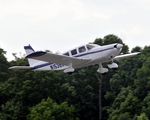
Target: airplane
[{"x": 82, "y": 56}]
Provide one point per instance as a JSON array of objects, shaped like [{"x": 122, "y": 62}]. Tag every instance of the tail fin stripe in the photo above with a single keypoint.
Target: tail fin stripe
[{"x": 29, "y": 47}]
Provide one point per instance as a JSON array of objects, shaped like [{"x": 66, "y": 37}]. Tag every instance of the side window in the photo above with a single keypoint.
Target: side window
[
  {"x": 89, "y": 47},
  {"x": 82, "y": 49},
  {"x": 73, "y": 52},
  {"x": 67, "y": 54}
]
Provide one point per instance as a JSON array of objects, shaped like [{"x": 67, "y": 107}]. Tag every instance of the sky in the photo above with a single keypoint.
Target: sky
[{"x": 60, "y": 25}]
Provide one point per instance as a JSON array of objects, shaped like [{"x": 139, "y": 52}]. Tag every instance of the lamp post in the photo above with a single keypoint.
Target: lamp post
[{"x": 100, "y": 77}]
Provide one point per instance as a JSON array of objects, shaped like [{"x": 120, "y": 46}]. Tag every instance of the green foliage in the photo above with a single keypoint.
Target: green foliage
[
  {"x": 124, "y": 106},
  {"x": 146, "y": 105},
  {"x": 136, "y": 49},
  {"x": 3, "y": 66},
  {"x": 10, "y": 110},
  {"x": 99, "y": 41},
  {"x": 142, "y": 117},
  {"x": 55, "y": 95},
  {"x": 142, "y": 82},
  {"x": 109, "y": 39},
  {"x": 49, "y": 110}
]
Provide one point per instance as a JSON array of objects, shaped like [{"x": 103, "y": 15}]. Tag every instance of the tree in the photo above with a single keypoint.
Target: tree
[
  {"x": 99, "y": 41},
  {"x": 55, "y": 95},
  {"x": 3, "y": 66},
  {"x": 10, "y": 110},
  {"x": 125, "y": 105},
  {"x": 109, "y": 39},
  {"x": 142, "y": 117},
  {"x": 50, "y": 110},
  {"x": 136, "y": 49},
  {"x": 143, "y": 79}
]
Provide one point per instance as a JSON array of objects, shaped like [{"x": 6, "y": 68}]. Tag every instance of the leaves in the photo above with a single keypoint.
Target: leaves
[
  {"x": 57, "y": 96},
  {"x": 49, "y": 110}
]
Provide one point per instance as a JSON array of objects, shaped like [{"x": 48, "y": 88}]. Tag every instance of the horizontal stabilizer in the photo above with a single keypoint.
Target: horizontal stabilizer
[
  {"x": 20, "y": 68},
  {"x": 119, "y": 57}
]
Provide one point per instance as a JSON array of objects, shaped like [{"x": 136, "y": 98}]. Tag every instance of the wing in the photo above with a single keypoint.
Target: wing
[
  {"x": 20, "y": 67},
  {"x": 58, "y": 59},
  {"x": 119, "y": 57}
]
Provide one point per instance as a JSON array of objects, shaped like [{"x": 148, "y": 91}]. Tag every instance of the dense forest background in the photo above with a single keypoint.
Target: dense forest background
[{"x": 29, "y": 95}]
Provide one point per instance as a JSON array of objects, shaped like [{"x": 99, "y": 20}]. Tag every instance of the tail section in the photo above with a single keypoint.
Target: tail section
[
  {"x": 29, "y": 49},
  {"x": 37, "y": 65},
  {"x": 32, "y": 62}
]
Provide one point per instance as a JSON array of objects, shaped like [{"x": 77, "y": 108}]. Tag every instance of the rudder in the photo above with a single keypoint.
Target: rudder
[{"x": 32, "y": 62}]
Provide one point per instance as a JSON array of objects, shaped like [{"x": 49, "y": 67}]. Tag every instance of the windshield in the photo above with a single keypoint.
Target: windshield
[{"x": 90, "y": 46}]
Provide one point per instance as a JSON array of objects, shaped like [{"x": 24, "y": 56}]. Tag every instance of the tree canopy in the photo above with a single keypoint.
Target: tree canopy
[{"x": 28, "y": 95}]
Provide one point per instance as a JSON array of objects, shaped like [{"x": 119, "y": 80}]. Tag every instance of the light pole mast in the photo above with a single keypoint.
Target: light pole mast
[{"x": 100, "y": 77}]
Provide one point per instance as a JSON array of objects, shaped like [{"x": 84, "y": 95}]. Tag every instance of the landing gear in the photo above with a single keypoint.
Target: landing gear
[
  {"x": 101, "y": 69},
  {"x": 70, "y": 69},
  {"x": 112, "y": 65}
]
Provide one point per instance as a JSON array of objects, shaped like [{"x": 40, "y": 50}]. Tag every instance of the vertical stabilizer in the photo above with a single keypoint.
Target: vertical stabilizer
[
  {"x": 29, "y": 49},
  {"x": 32, "y": 62}
]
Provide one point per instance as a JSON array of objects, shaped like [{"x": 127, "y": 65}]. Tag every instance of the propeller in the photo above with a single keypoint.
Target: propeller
[
  {"x": 115, "y": 46},
  {"x": 118, "y": 46}
]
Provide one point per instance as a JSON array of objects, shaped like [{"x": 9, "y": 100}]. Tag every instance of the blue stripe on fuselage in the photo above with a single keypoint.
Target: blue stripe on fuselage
[
  {"x": 47, "y": 64},
  {"x": 52, "y": 66},
  {"x": 41, "y": 65}
]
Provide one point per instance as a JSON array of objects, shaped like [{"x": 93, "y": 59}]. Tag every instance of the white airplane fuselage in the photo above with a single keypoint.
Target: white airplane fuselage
[
  {"x": 102, "y": 54},
  {"x": 98, "y": 55}
]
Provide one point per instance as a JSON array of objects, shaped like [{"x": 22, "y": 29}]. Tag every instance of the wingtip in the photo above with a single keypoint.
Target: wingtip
[
  {"x": 137, "y": 53},
  {"x": 19, "y": 67},
  {"x": 10, "y": 68}
]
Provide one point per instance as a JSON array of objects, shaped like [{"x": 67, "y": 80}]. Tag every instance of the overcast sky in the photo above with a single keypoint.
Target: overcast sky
[{"x": 59, "y": 25}]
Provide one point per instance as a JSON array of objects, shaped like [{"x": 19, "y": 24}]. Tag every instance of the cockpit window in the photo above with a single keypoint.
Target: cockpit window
[
  {"x": 82, "y": 49},
  {"x": 89, "y": 46},
  {"x": 67, "y": 54},
  {"x": 73, "y": 52}
]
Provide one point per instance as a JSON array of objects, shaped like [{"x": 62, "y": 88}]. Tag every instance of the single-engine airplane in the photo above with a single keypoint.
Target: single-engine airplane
[{"x": 86, "y": 55}]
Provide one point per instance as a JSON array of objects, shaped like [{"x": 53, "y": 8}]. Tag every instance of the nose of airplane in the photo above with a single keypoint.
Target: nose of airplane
[{"x": 119, "y": 46}]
